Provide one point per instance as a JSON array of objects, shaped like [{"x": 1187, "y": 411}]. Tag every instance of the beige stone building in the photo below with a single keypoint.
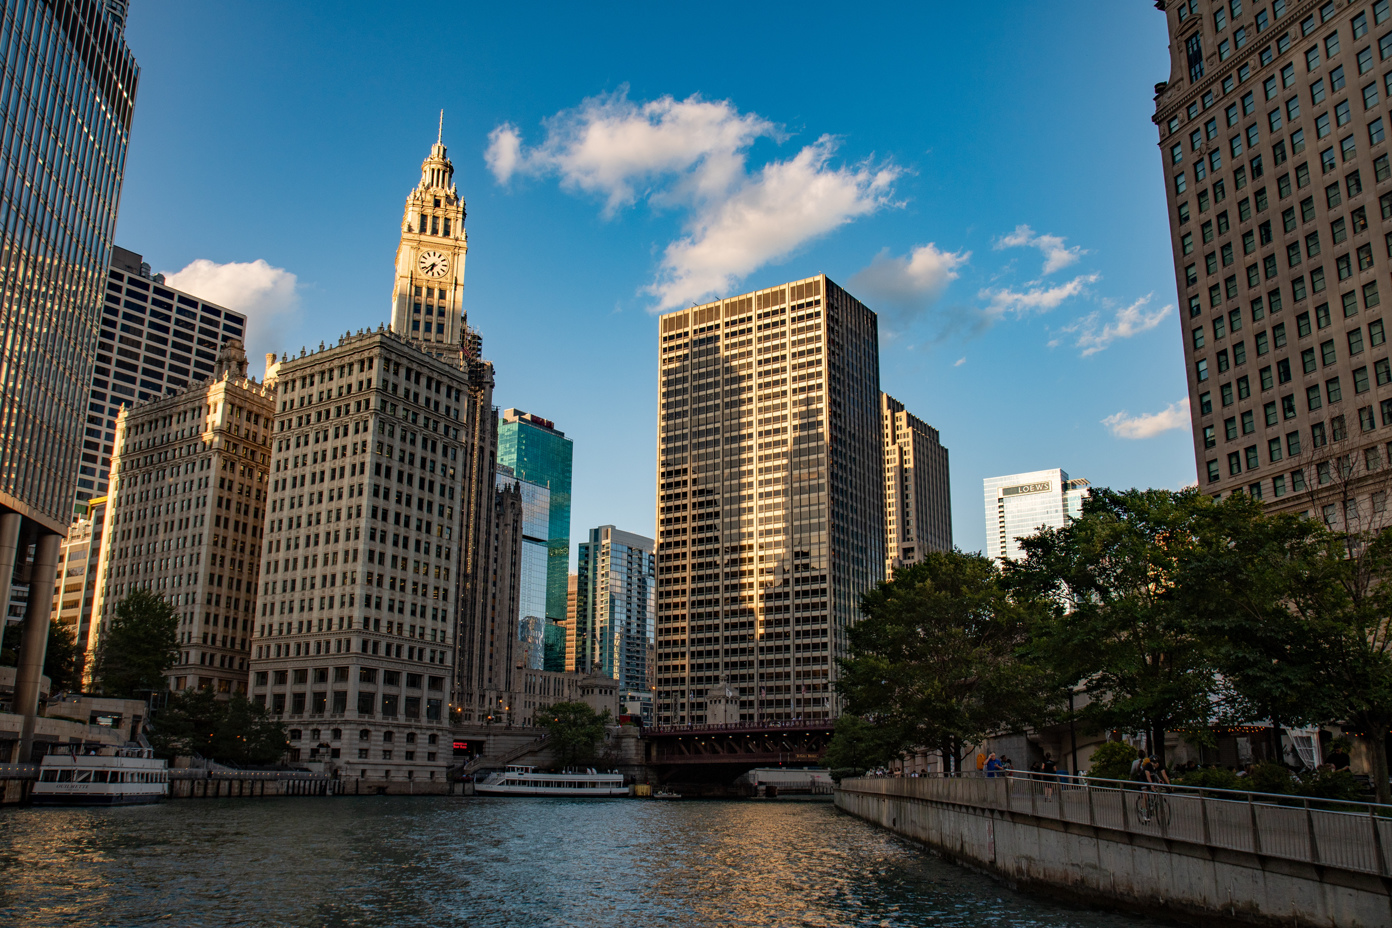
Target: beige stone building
[
  {"x": 185, "y": 517},
  {"x": 918, "y": 499},
  {"x": 381, "y": 483},
  {"x": 79, "y": 569},
  {"x": 770, "y": 499},
  {"x": 1273, "y": 127}
]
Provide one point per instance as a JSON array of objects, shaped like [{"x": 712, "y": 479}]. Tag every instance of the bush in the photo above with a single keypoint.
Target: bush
[
  {"x": 1330, "y": 784},
  {"x": 1112, "y": 761},
  {"x": 1211, "y": 778},
  {"x": 1267, "y": 777}
]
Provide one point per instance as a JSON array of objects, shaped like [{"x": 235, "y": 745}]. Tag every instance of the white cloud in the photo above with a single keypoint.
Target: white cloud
[
  {"x": 691, "y": 155},
  {"x": 504, "y": 152},
  {"x": 1128, "y": 321},
  {"x": 1003, "y": 300},
  {"x": 960, "y": 362},
  {"x": 266, "y": 294},
  {"x": 1056, "y": 255},
  {"x": 1174, "y": 416},
  {"x": 910, "y": 283}
]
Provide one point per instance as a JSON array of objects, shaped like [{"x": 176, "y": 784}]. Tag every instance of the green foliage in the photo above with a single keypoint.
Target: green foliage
[
  {"x": 138, "y": 646},
  {"x": 1211, "y": 778},
  {"x": 1112, "y": 761},
  {"x": 935, "y": 662},
  {"x": 857, "y": 746},
  {"x": 60, "y": 657},
  {"x": 1267, "y": 777},
  {"x": 576, "y": 731},
  {"x": 231, "y": 731},
  {"x": 1118, "y": 624},
  {"x": 1330, "y": 784}
]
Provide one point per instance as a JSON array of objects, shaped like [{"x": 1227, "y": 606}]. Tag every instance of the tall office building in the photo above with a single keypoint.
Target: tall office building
[
  {"x": 153, "y": 340},
  {"x": 79, "y": 569},
  {"x": 614, "y": 609},
  {"x": 531, "y": 598},
  {"x": 918, "y": 498},
  {"x": 540, "y": 453},
  {"x": 68, "y": 84},
  {"x": 185, "y": 517},
  {"x": 770, "y": 503},
  {"x": 1019, "y": 505},
  {"x": 371, "y": 614},
  {"x": 1273, "y": 128}
]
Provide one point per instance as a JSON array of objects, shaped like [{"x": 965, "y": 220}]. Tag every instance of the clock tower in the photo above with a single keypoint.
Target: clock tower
[{"x": 427, "y": 305}]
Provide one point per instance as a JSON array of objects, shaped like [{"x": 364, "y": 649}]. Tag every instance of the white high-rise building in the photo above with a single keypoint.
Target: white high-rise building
[{"x": 1019, "y": 505}]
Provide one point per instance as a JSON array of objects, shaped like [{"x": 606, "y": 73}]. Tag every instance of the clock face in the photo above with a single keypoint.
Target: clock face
[{"x": 433, "y": 264}]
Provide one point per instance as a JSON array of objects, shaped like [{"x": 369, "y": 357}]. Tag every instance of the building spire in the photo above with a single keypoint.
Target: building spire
[{"x": 440, "y": 136}]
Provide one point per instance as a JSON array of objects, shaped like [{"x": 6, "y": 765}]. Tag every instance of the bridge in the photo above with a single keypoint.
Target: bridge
[{"x": 706, "y": 753}]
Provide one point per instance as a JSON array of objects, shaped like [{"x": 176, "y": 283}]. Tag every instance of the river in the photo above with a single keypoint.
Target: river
[{"x": 488, "y": 863}]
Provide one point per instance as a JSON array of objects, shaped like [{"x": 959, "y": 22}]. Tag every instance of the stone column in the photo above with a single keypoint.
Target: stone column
[
  {"x": 9, "y": 547},
  {"x": 36, "y": 618}
]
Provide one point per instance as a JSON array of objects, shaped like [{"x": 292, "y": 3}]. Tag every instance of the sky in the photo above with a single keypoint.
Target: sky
[{"x": 985, "y": 177}]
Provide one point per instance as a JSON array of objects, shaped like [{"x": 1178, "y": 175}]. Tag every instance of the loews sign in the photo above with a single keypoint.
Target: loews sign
[{"x": 1024, "y": 488}]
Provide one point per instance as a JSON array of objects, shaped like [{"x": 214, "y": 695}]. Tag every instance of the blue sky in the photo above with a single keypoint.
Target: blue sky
[{"x": 986, "y": 177}]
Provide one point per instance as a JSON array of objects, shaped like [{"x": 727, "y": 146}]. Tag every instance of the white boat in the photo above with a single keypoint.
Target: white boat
[
  {"x": 526, "y": 781},
  {"x": 105, "y": 776}
]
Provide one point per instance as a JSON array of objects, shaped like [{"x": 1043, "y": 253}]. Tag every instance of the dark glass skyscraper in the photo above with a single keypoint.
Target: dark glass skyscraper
[
  {"x": 539, "y": 453},
  {"x": 67, "y": 89}
]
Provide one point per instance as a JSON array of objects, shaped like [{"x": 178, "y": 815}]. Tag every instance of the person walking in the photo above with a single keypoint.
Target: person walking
[
  {"x": 993, "y": 766},
  {"x": 1050, "y": 771}
]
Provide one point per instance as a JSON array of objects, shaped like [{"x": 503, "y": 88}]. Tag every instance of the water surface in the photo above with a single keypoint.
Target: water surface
[{"x": 491, "y": 863}]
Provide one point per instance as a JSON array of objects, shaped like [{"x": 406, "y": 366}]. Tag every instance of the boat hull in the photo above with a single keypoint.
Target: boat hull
[
  {"x": 557, "y": 792},
  {"x": 95, "y": 799}
]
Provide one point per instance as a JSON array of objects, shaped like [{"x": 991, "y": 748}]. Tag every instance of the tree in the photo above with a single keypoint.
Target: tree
[
  {"x": 1116, "y": 623},
  {"x": 575, "y": 729},
  {"x": 232, "y": 731},
  {"x": 138, "y": 646},
  {"x": 60, "y": 658},
  {"x": 858, "y": 745},
  {"x": 934, "y": 662},
  {"x": 1300, "y": 613}
]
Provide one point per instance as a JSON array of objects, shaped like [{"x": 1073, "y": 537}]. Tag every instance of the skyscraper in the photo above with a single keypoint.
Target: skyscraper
[
  {"x": 153, "y": 340},
  {"x": 371, "y": 620},
  {"x": 539, "y": 453},
  {"x": 531, "y": 599},
  {"x": 918, "y": 499},
  {"x": 770, "y": 499},
  {"x": 614, "y": 610},
  {"x": 68, "y": 86},
  {"x": 1272, "y": 135},
  {"x": 1019, "y": 505},
  {"x": 79, "y": 568},
  {"x": 186, "y": 517}
]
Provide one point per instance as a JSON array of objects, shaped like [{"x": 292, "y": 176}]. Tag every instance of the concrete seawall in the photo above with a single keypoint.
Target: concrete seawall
[{"x": 1025, "y": 837}]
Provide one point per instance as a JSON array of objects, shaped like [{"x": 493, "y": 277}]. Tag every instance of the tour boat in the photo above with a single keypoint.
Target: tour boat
[
  {"x": 105, "y": 776},
  {"x": 526, "y": 781}
]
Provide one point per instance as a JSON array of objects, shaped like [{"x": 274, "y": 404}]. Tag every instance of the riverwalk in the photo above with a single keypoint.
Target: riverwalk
[{"x": 1239, "y": 858}]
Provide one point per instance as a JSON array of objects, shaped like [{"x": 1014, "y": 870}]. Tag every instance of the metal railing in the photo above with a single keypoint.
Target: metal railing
[{"x": 1347, "y": 835}]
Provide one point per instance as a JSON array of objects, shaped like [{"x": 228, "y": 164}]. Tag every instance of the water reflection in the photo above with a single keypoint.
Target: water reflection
[{"x": 505, "y": 863}]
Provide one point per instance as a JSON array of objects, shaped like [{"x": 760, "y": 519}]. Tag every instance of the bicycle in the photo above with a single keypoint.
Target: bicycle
[{"x": 1152, "y": 807}]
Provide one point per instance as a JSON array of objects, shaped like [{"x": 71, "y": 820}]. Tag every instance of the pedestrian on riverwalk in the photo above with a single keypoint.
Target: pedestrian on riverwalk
[
  {"x": 1050, "y": 771},
  {"x": 993, "y": 766}
]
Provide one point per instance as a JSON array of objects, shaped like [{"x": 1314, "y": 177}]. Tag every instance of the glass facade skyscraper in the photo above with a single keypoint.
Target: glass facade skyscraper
[
  {"x": 67, "y": 93},
  {"x": 615, "y": 611},
  {"x": 538, "y": 453},
  {"x": 1019, "y": 505}
]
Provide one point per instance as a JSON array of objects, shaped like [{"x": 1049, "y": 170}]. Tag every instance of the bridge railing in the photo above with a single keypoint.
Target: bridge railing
[
  {"x": 736, "y": 727},
  {"x": 1353, "y": 836}
]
